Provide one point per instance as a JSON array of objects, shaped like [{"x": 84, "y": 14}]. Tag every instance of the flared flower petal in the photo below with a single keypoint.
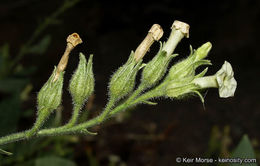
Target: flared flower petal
[{"x": 226, "y": 81}]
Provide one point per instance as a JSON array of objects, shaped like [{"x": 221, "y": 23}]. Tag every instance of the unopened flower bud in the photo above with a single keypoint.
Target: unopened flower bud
[
  {"x": 188, "y": 66},
  {"x": 203, "y": 51},
  {"x": 154, "y": 34},
  {"x": 82, "y": 82}
]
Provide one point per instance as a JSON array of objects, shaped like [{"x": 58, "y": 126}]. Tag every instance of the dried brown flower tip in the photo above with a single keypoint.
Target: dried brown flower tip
[
  {"x": 72, "y": 41},
  {"x": 154, "y": 34},
  {"x": 156, "y": 31},
  {"x": 182, "y": 26}
]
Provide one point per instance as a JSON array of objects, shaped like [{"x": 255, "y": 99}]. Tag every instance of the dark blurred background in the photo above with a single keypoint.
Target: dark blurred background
[{"x": 146, "y": 135}]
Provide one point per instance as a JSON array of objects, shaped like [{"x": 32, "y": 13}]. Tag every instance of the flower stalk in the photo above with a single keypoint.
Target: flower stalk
[{"x": 180, "y": 81}]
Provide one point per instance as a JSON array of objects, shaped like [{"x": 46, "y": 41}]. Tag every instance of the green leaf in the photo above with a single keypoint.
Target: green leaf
[
  {"x": 40, "y": 47},
  {"x": 5, "y": 152},
  {"x": 85, "y": 131},
  {"x": 53, "y": 161},
  {"x": 150, "y": 103},
  {"x": 244, "y": 150}
]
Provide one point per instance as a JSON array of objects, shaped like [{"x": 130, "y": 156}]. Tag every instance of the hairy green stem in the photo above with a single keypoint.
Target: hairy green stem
[
  {"x": 38, "y": 123},
  {"x": 81, "y": 127},
  {"x": 13, "y": 138},
  {"x": 108, "y": 108},
  {"x": 75, "y": 115},
  {"x": 156, "y": 92},
  {"x": 137, "y": 92}
]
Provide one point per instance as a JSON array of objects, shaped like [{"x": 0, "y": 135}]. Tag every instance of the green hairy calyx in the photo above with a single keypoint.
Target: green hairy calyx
[{"x": 158, "y": 79}]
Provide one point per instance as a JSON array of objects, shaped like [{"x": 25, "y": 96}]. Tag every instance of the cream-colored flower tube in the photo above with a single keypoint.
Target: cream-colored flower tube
[{"x": 223, "y": 80}]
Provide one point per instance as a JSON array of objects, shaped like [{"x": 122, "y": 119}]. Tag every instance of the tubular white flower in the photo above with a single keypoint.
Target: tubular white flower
[
  {"x": 179, "y": 30},
  {"x": 226, "y": 82},
  {"x": 223, "y": 80}
]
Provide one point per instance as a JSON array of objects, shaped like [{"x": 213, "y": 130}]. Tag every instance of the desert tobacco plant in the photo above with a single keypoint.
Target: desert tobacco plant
[{"x": 181, "y": 80}]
